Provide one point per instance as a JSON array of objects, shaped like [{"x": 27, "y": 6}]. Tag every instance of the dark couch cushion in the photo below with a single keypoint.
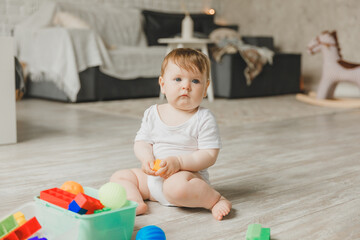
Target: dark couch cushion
[
  {"x": 165, "y": 25},
  {"x": 267, "y": 42}
]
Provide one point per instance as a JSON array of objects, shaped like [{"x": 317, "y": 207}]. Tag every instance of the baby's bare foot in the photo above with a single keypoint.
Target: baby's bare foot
[
  {"x": 221, "y": 208},
  {"x": 141, "y": 208}
]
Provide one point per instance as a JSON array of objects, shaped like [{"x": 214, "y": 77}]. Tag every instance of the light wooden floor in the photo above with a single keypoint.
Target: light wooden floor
[{"x": 298, "y": 176}]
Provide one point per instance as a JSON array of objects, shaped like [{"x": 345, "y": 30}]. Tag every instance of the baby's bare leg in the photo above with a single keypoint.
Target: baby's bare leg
[
  {"x": 135, "y": 183},
  {"x": 187, "y": 189}
]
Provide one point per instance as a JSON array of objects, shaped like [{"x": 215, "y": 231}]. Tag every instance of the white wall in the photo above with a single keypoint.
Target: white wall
[
  {"x": 14, "y": 11},
  {"x": 7, "y": 92}
]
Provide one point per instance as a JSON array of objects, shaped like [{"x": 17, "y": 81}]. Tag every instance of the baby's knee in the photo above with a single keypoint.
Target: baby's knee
[
  {"x": 174, "y": 192},
  {"x": 125, "y": 174},
  {"x": 176, "y": 188}
]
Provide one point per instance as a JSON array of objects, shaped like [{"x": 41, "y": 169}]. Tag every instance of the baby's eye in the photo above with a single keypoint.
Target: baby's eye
[
  {"x": 177, "y": 79},
  {"x": 196, "y": 81}
]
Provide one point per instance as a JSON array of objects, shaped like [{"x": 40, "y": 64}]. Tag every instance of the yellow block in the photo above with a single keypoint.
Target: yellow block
[
  {"x": 20, "y": 218},
  {"x": 157, "y": 165}
]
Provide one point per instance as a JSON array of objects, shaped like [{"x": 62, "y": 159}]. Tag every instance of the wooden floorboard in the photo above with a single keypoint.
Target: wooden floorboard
[{"x": 298, "y": 176}]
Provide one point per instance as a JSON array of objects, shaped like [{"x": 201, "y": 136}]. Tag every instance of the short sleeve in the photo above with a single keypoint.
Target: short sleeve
[
  {"x": 209, "y": 136},
  {"x": 144, "y": 132}
]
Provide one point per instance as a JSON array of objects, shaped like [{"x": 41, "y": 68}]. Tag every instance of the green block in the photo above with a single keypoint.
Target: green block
[
  {"x": 7, "y": 225},
  {"x": 98, "y": 211},
  {"x": 105, "y": 209},
  {"x": 256, "y": 232},
  {"x": 265, "y": 234},
  {"x": 253, "y": 232}
]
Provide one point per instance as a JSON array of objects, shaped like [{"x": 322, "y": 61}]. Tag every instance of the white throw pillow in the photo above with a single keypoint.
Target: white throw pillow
[{"x": 67, "y": 20}]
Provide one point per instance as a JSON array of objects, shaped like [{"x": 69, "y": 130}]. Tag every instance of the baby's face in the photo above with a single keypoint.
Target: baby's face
[{"x": 184, "y": 90}]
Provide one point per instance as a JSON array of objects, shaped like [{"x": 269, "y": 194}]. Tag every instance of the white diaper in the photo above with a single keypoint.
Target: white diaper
[{"x": 155, "y": 185}]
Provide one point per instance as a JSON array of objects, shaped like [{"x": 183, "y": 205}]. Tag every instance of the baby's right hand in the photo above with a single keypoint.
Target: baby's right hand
[{"x": 147, "y": 167}]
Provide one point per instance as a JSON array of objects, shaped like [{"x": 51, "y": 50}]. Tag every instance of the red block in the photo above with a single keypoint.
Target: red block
[
  {"x": 24, "y": 231},
  {"x": 57, "y": 196},
  {"x": 89, "y": 203}
]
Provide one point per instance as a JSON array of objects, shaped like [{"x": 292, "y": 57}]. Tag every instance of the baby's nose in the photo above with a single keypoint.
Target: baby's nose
[{"x": 186, "y": 85}]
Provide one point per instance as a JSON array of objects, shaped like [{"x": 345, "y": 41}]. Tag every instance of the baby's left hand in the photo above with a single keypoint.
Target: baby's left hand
[{"x": 169, "y": 166}]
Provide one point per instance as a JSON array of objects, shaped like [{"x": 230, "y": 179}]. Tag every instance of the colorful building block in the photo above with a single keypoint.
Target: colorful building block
[
  {"x": 89, "y": 203},
  {"x": 105, "y": 209},
  {"x": 20, "y": 218},
  {"x": 74, "y": 207},
  {"x": 24, "y": 231},
  {"x": 156, "y": 165},
  {"x": 256, "y": 232},
  {"x": 37, "y": 238},
  {"x": 7, "y": 225},
  {"x": 58, "y": 197}
]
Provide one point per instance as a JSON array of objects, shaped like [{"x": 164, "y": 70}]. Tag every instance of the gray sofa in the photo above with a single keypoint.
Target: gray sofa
[
  {"x": 101, "y": 82},
  {"x": 96, "y": 86},
  {"x": 75, "y": 53}
]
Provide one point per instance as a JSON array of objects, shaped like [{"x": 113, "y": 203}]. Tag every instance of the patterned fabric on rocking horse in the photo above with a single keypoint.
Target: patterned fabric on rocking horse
[{"x": 335, "y": 69}]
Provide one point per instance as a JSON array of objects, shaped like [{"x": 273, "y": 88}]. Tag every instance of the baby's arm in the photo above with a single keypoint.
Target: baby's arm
[
  {"x": 199, "y": 160},
  {"x": 144, "y": 152},
  {"x": 194, "y": 162}
]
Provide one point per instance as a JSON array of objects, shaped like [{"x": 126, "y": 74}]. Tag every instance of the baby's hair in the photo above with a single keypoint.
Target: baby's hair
[{"x": 188, "y": 59}]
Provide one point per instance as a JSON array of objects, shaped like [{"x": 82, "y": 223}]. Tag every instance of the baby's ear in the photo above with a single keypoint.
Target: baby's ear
[
  {"x": 161, "y": 83},
  {"x": 207, "y": 85}
]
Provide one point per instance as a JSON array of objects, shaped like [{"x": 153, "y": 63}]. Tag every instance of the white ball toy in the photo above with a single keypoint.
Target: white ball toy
[{"x": 112, "y": 195}]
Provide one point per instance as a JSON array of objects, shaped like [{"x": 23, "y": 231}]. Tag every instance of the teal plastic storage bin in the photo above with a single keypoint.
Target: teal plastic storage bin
[{"x": 114, "y": 224}]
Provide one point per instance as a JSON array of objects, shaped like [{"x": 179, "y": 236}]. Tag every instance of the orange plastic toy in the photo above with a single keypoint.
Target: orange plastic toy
[
  {"x": 157, "y": 165},
  {"x": 72, "y": 187}
]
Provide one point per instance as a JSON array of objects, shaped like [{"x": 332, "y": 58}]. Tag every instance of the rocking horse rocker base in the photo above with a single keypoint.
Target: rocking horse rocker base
[
  {"x": 334, "y": 103},
  {"x": 335, "y": 70}
]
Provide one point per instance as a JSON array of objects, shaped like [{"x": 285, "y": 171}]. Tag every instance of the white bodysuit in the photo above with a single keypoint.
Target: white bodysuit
[{"x": 199, "y": 132}]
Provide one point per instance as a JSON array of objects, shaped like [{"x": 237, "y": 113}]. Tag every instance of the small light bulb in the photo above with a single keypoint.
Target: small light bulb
[{"x": 211, "y": 11}]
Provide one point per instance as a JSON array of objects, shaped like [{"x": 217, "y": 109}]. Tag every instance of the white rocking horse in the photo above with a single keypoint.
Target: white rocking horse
[{"x": 335, "y": 70}]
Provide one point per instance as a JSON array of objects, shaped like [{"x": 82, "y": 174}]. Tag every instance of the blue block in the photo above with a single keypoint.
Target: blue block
[{"x": 74, "y": 207}]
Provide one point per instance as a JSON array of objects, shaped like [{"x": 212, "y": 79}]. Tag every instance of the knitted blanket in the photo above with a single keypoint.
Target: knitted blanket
[{"x": 229, "y": 42}]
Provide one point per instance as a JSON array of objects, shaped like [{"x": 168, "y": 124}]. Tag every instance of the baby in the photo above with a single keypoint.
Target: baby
[{"x": 183, "y": 135}]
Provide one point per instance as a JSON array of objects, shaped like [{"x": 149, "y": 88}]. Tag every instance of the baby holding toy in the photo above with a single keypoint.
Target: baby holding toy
[{"x": 183, "y": 135}]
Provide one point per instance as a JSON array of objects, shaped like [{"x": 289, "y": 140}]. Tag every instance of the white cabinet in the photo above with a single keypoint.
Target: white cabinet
[{"x": 7, "y": 91}]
